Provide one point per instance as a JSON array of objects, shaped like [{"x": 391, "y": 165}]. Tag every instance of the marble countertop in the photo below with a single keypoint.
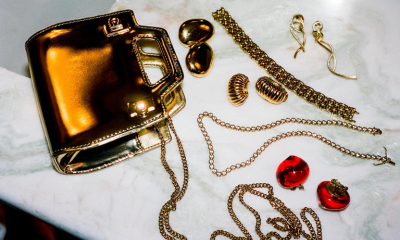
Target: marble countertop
[{"x": 123, "y": 201}]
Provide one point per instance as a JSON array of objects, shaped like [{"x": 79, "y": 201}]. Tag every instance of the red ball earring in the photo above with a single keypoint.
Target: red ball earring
[
  {"x": 332, "y": 195},
  {"x": 292, "y": 172}
]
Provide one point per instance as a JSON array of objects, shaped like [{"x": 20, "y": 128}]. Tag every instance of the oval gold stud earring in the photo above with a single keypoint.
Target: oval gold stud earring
[
  {"x": 317, "y": 33},
  {"x": 195, "y": 33},
  {"x": 298, "y": 19},
  {"x": 271, "y": 90},
  {"x": 237, "y": 89}
]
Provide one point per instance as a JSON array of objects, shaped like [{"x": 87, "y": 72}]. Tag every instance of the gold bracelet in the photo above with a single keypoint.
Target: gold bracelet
[
  {"x": 374, "y": 131},
  {"x": 279, "y": 73}
]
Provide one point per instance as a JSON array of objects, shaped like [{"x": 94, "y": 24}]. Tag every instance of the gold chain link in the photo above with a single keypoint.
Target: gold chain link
[
  {"x": 280, "y": 74},
  {"x": 163, "y": 221},
  {"x": 290, "y": 223},
  {"x": 373, "y": 131}
]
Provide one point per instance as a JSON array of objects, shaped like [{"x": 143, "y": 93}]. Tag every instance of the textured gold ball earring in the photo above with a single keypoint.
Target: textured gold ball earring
[
  {"x": 237, "y": 89},
  {"x": 271, "y": 90}
]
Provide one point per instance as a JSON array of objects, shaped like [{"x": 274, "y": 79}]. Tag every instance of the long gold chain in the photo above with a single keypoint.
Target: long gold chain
[
  {"x": 165, "y": 229},
  {"x": 279, "y": 73},
  {"x": 248, "y": 162},
  {"x": 289, "y": 223}
]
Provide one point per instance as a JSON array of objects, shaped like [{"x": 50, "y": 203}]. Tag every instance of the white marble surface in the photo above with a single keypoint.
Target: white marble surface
[{"x": 123, "y": 202}]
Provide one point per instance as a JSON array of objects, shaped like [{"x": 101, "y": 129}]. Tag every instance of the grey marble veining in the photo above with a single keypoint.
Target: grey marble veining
[
  {"x": 123, "y": 202},
  {"x": 23, "y": 148}
]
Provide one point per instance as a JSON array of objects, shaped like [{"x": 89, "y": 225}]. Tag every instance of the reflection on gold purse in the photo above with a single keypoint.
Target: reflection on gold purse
[{"x": 98, "y": 106}]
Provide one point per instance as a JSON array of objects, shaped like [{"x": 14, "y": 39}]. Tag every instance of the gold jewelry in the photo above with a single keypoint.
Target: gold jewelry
[
  {"x": 280, "y": 74},
  {"x": 317, "y": 33},
  {"x": 163, "y": 220},
  {"x": 289, "y": 223},
  {"x": 332, "y": 195},
  {"x": 237, "y": 89},
  {"x": 328, "y": 142},
  {"x": 271, "y": 90},
  {"x": 298, "y": 19},
  {"x": 200, "y": 59},
  {"x": 336, "y": 189},
  {"x": 195, "y": 33}
]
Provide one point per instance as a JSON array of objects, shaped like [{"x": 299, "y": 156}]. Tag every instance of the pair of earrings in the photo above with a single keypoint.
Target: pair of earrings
[
  {"x": 194, "y": 34},
  {"x": 266, "y": 87},
  {"x": 298, "y": 20},
  {"x": 332, "y": 195}
]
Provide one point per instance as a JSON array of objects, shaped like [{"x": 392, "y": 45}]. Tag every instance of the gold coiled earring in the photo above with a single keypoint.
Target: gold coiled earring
[
  {"x": 298, "y": 19},
  {"x": 237, "y": 89},
  {"x": 317, "y": 33},
  {"x": 271, "y": 90}
]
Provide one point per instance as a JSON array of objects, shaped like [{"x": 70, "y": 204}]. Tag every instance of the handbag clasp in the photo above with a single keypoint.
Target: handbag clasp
[
  {"x": 141, "y": 108},
  {"x": 114, "y": 28}
]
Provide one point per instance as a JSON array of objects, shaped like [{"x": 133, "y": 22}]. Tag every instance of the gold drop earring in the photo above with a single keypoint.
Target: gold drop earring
[
  {"x": 298, "y": 19},
  {"x": 317, "y": 33}
]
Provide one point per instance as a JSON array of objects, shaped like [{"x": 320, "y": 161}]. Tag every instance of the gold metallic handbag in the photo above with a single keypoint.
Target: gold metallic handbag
[{"x": 98, "y": 106}]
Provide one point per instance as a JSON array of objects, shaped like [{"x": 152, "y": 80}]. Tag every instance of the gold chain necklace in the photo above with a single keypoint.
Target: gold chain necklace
[
  {"x": 165, "y": 229},
  {"x": 289, "y": 223},
  {"x": 248, "y": 162},
  {"x": 279, "y": 73}
]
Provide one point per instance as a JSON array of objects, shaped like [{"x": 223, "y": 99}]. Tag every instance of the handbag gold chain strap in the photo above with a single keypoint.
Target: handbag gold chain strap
[
  {"x": 289, "y": 223},
  {"x": 279, "y": 73},
  {"x": 374, "y": 131},
  {"x": 165, "y": 229}
]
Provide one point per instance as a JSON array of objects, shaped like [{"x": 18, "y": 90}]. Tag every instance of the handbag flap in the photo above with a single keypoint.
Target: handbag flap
[{"x": 90, "y": 81}]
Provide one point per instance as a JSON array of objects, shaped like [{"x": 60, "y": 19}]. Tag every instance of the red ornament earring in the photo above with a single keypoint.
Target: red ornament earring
[
  {"x": 292, "y": 172},
  {"x": 332, "y": 195}
]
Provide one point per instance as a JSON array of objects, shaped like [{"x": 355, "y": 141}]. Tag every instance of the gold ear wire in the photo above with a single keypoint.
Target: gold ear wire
[
  {"x": 298, "y": 19},
  {"x": 317, "y": 33}
]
